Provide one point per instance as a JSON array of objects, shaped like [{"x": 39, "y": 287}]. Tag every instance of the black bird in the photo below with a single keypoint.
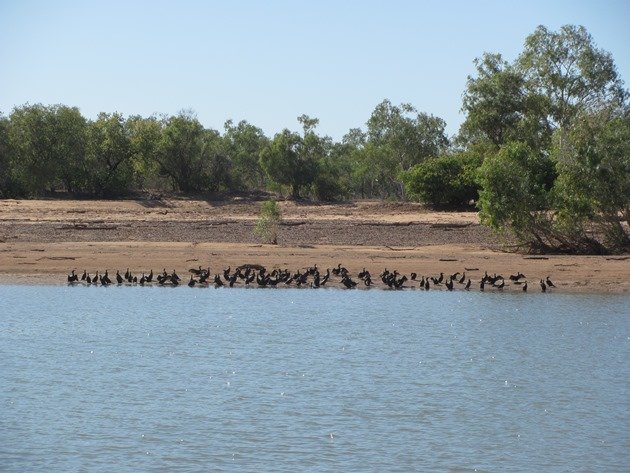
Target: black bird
[
  {"x": 84, "y": 277},
  {"x": 339, "y": 270},
  {"x": 150, "y": 276},
  {"x": 543, "y": 286},
  {"x": 196, "y": 272},
  {"x": 463, "y": 278},
  {"x": 73, "y": 277},
  {"x": 482, "y": 283},
  {"x": 413, "y": 276},
  {"x": 192, "y": 282},
  {"x": 449, "y": 284},
  {"x": 525, "y": 287},
  {"x": 348, "y": 282},
  {"x": 427, "y": 286},
  {"x": 88, "y": 279},
  {"x": 398, "y": 283},
  {"x": 549, "y": 283},
  {"x": 325, "y": 278},
  {"x": 142, "y": 280},
  {"x": 119, "y": 278},
  {"x": 517, "y": 276},
  {"x": 500, "y": 285},
  {"x": 217, "y": 281},
  {"x": 467, "y": 287}
]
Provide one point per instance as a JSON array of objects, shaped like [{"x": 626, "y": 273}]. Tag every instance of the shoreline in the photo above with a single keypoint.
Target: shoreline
[
  {"x": 50, "y": 263},
  {"x": 41, "y": 241}
]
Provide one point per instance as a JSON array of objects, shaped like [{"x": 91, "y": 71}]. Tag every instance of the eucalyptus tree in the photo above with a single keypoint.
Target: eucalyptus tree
[
  {"x": 494, "y": 101},
  {"x": 572, "y": 75},
  {"x": 565, "y": 185},
  {"x": 47, "y": 148},
  {"x": 145, "y": 134},
  {"x": 109, "y": 152},
  {"x": 592, "y": 191},
  {"x": 404, "y": 137},
  {"x": 284, "y": 163},
  {"x": 292, "y": 159},
  {"x": 243, "y": 143},
  {"x": 183, "y": 152}
]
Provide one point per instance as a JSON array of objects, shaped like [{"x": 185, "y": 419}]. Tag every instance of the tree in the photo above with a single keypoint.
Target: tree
[
  {"x": 183, "y": 153},
  {"x": 494, "y": 101},
  {"x": 572, "y": 74},
  {"x": 405, "y": 136},
  {"x": 282, "y": 162},
  {"x": 563, "y": 185},
  {"x": 334, "y": 173},
  {"x": 514, "y": 194},
  {"x": 593, "y": 186},
  {"x": 243, "y": 143},
  {"x": 71, "y": 128},
  {"x": 109, "y": 154},
  {"x": 145, "y": 134},
  {"x": 47, "y": 147},
  {"x": 291, "y": 159}
]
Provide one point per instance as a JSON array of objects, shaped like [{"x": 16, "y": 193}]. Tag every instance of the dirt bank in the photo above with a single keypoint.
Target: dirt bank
[{"x": 42, "y": 240}]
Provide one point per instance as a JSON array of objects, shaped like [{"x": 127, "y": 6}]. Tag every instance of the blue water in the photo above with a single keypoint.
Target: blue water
[{"x": 160, "y": 379}]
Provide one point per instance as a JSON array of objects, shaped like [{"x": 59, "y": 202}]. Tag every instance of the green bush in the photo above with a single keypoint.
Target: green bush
[
  {"x": 268, "y": 221},
  {"x": 446, "y": 180},
  {"x": 516, "y": 196}
]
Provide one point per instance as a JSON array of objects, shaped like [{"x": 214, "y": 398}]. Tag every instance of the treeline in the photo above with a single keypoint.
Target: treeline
[
  {"x": 44, "y": 149},
  {"x": 543, "y": 151}
]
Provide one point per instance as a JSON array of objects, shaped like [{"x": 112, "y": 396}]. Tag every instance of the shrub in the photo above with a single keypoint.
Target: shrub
[
  {"x": 446, "y": 180},
  {"x": 268, "y": 221}
]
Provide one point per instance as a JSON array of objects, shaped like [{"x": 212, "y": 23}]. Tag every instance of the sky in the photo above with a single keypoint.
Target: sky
[{"x": 270, "y": 61}]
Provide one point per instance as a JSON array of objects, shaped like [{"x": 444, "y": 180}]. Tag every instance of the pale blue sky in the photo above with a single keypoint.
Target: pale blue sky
[{"x": 271, "y": 61}]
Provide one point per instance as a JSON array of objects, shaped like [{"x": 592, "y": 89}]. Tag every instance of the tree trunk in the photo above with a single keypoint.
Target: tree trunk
[{"x": 295, "y": 191}]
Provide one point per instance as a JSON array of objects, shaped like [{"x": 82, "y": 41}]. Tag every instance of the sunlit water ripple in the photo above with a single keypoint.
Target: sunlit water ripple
[{"x": 138, "y": 379}]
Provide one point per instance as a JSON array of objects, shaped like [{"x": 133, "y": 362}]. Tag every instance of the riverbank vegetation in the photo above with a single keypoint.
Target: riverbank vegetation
[{"x": 543, "y": 152}]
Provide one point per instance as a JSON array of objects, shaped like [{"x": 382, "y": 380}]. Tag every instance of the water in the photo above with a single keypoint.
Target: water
[{"x": 160, "y": 379}]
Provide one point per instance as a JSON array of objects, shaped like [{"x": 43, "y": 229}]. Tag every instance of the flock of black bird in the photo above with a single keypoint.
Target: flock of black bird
[{"x": 253, "y": 275}]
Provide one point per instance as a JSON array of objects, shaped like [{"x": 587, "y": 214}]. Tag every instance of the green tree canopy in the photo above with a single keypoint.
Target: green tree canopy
[
  {"x": 285, "y": 162},
  {"x": 243, "y": 144},
  {"x": 494, "y": 101},
  {"x": 47, "y": 147},
  {"x": 109, "y": 154},
  {"x": 184, "y": 152},
  {"x": 570, "y": 72}
]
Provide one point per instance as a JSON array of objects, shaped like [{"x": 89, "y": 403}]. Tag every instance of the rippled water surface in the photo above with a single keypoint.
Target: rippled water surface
[{"x": 159, "y": 379}]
